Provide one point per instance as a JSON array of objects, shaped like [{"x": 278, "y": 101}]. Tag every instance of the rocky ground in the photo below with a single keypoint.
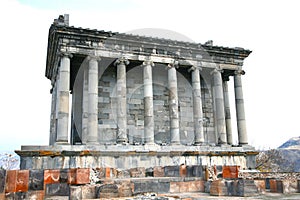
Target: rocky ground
[{"x": 200, "y": 196}]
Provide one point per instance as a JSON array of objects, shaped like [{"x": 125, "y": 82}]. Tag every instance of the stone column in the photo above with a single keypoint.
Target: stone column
[
  {"x": 63, "y": 84},
  {"x": 92, "y": 129},
  {"x": 227, "y": 111},
  {"x": 121, "y": 100},
  {"x": 52, "y": 137},
  {"x": 148, "y": 103},
  {"x": 173, "y": 104},
  {"x": 197, "y": 106},
  {"x": 219, "y": 106},
  {"x": 240, "y": 111},
  {"x": 85, "y": 103}
]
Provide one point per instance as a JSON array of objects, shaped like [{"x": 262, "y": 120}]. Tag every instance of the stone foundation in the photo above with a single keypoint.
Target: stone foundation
[{"x": 128, "y": 156}]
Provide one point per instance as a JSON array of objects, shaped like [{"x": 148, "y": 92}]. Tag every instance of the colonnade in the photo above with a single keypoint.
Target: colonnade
[{"x": 60, "y": 104}]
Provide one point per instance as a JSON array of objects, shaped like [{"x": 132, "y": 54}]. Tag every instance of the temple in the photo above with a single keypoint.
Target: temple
[{"x": 124, "y": 101}]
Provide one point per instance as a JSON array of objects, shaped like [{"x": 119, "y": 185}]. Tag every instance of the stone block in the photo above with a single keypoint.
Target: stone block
[
  {"x": 36, "y": 195},
  {"x": 174, "y": 187},
  {"x": 218, "y": 188},
  {"x": 22, "y": 180},
  {"x": 75, "y": 193},
  {"x": 183, "y": 186},
  {"x": 158, "y": 171},
  {"x": 36, "y": 180},
  {"x": 71, "y": 176},
  {"x": 163, "y": 187},
  {"x": 20, "y": 195},
  {"x": 171, "y": 171},
  {"x": 261, "y": 185},
  {"x": 230, "y": 172},
  {"x": 82, "y": 176},
  {"x": 107, "y": 172},
  {"x": 125, "y": 188},
  {"x": 51, "y": 176},
  {"x": 182, "y": 170},
  {"x": 63, "y": 175},
  {"x": 195, "y": 186},
  {"x": 246, "y": 188},
  {"x": 88, "y": 191},
  {"x": 207, "y": 185},
  {"x": 195, "y": 171},
  {"x": 107, "y": 191},
  {"x": 144, "y": 186},
  {"x": 231, "y": 187},
  {"x": 57, "y": 189},
  {"x": 11, "y": 177},
  {"x": 273, "y": 185},
  {"x": 138, "y": 172},
  {"x": 279, "y": 184},
  {"x": 123, "y": 174},
  {"x": 2, "y": 180}
]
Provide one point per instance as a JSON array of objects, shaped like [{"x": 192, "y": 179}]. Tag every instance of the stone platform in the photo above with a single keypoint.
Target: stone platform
[{"x": 128, "y": 156}]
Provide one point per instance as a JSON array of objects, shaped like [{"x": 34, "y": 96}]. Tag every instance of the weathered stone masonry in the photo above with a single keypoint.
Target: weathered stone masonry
[{"x": 137, "y": 100}]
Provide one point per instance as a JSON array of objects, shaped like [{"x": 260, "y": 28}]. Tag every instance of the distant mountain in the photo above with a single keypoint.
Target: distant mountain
[
  {"x": 286, "y": 158},
  {"x": 293, "y": 143}
]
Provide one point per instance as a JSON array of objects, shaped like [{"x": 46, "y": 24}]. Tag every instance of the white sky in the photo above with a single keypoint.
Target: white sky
[{"x": 269, "y": 28}]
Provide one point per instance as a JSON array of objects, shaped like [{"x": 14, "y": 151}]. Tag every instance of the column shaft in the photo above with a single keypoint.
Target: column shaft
[
  {"x": 85, "y": 103},
  {"x": 197, "y": 107},
  {"x": 52, "y": 137},
  {"x": 227, "y": 113},
  {"x": 173, "y": 105},
  {"x": 219, "y": 105},
  {"x": 121, "y": 101},
  {"x": 148, "y": 103},
  {"x": 93, "y": 102},
  {"x": 63, "y": 100},
  {"x": 240, "y": 111}
]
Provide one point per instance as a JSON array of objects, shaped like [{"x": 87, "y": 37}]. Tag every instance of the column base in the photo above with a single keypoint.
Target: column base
[
  {"x": 61, "y": 143},
  {"x": 199, "y": 144}
]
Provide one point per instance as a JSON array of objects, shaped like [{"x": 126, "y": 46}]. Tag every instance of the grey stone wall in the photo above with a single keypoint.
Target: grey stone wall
[{"x": 135, "y": 106}]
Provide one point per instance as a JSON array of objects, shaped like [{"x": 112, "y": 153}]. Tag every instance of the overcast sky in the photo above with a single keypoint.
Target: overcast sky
[{"x": 269, "y": 28}]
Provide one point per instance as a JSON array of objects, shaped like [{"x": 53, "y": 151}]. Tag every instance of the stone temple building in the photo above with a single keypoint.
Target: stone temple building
[{"x": 123, "y": 101}]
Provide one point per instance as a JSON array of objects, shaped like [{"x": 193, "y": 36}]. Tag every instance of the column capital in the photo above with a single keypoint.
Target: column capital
[
  {"x": 239, "y": 72},
  {"x": 174, "y": 64},
  {"x": 193, "y": 68},
  {"x": 66, "y": 54},
  {"x": 148, "y": 62},
  {"x": 93, "y": 57},
  {"x": 122, "y": 60},
  {"x": 217, "y": 70}
]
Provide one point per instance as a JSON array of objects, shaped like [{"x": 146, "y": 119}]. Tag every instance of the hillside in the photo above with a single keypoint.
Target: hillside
[{"x": 286, "y": 158}]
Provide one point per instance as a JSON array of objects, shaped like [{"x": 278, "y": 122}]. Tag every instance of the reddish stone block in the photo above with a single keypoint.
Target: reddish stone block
[
  {"x": 230, "y": 172},
  {"x": 2, "y": 196},
  {"x": 138, "y": 172},
  {"x": 71, "y": 176},
  {"x": 218, "y": 188},
  {"x": 107, "y": 172},
  {"x": 182, "y": 170},
  {"x": 261, "y": 185},
  {"x": 51, "y": 176},
  {"x": 22, "y": 180},
  {"x": 196, "y": 186},
  {"x": 11, "y": 177},
  {"x": 158, "y": 171},
  {"x": 174, "y": 187},
  {"x": 82, "y": 176},
  {"x": 273, "y": 186},
  {"x": 183, "y": 186}
]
